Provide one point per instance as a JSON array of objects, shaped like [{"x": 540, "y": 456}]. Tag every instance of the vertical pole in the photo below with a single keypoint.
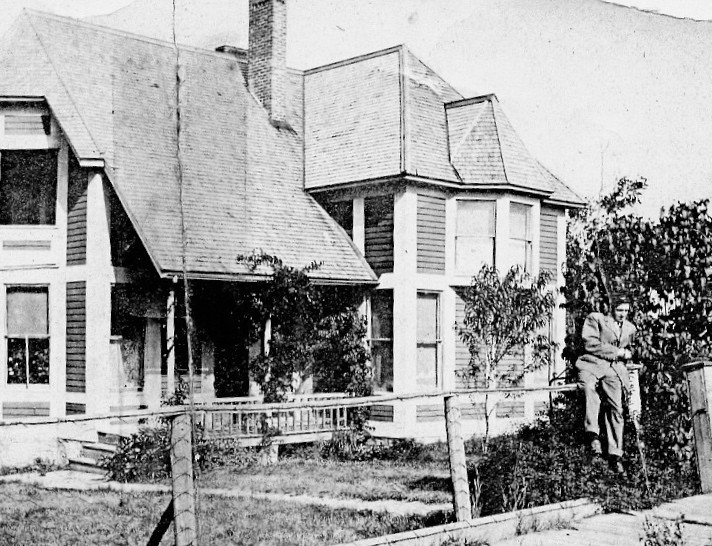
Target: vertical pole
[
  {"x": 458, "y": 463},
  {"x": 171, "y": 342},
  {"x": 184, "y": 517},
  {"x": 699, "y": 382}
]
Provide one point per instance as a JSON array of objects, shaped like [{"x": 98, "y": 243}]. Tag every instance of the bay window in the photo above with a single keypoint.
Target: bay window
[
  {"x": 428, "y": 367},
  {"x": 520, "y": 235},
  {"x": 475, "y": 235},
  {"x": 27, "y": 335}
]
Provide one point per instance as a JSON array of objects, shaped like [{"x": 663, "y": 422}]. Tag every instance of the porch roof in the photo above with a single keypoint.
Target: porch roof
[{"x": 231, "y": 181}]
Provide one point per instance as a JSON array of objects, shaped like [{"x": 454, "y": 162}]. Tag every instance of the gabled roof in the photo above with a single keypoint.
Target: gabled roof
[{"x": 114, "y": 95}]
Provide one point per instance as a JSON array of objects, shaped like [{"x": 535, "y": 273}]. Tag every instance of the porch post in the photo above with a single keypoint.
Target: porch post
[{"x": 170, "y": 341}]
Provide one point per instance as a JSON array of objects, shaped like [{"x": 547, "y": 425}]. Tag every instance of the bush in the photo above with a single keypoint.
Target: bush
[
  {"x": 546, "y": 463},
  {"x": 145, "y": 455}
]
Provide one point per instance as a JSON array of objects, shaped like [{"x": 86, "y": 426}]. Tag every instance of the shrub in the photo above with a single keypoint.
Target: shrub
[{"x": 545, "y": 463}]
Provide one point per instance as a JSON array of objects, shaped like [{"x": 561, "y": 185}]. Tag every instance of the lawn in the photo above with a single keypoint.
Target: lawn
[
  {"x": 30, "y": 515},
  {"x": 367, "y": 480}
]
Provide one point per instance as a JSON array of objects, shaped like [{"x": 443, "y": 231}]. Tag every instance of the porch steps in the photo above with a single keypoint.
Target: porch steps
[{"x": 91, "y": 453}]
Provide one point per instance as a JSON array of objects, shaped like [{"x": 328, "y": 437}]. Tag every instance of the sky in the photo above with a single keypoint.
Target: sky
[{"x": 596, "y": 90}]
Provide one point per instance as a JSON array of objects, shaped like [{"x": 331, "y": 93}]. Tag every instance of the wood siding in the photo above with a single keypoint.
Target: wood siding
[
  {"x": 76, "y": 214},
  {"x": 427, "y": 413},
  {"x": 548, "y": 240},
  {"x": 431, "y": 234},
  {"x": 13, "y": 410},
  {"x": 76, "y": 336},
  {"x": 73, "y": 408},
  {"x": 510, "y": 409},
  {"x": 378, "y": 212},
  {"x": 381, "y": 413}
]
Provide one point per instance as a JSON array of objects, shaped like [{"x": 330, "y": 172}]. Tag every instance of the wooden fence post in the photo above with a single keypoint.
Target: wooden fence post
[
  {"x": 699, "y": 381},
  {"x": 458, "y": 462},
  {"x": 184, "y": 517}
]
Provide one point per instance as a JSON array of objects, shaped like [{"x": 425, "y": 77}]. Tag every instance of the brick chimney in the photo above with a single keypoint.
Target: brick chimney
[{"x": 267, "y": 57}]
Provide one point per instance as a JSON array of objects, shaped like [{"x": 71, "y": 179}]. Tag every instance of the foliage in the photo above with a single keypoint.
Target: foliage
[
  {"x": 358, "y": 446},
  {"x": 144, "y": 456},
  {"x": 662, "y": 533},
  {"x": 663, "y": 264},
  {"x": 547, "y": 462},
  {"x": 315, "y": 331},
  {"x": 504, "y": 316}
]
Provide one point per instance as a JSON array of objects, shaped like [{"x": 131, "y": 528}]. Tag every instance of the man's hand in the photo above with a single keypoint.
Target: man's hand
[{"x": 624, "y": 354}]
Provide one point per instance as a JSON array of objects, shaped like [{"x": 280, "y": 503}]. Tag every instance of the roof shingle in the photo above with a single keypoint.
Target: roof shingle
[{"x": 114, "y": 95}]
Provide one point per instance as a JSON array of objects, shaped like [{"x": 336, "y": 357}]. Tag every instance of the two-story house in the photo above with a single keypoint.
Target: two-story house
[{"x": 128, "y": 165}]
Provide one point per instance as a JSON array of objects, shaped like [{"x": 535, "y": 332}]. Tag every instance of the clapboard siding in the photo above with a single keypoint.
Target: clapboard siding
[
  {"x": 548, "y": 240},
  {"x": 12, "y": 410},
  {"x": 74, "y": 408},
  {"x": 76, "y": 336},
  {"x": 427, "y": 413},
  {"x": 510, "y": 409},
  {"x": 431, "y": 234},
  {"x": 76, "y": 214},
  {"x": 381, "y": 413},
  {"x": 378, "y": 220}
]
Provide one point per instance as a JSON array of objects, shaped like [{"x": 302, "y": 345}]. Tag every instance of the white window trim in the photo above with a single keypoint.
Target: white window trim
[{"x": 37, "y": 387}]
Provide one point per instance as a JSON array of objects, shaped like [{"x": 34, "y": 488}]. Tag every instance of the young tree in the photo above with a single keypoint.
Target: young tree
[{"x": 504, "y": 317}]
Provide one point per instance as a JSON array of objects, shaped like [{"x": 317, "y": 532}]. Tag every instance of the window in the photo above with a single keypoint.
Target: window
[
  {"x": 474, "y": 235},
  {"x": 28, "y": 187},
  {"x": 520, "y": 235},
  {"x": 428, "y": 373},
  {"x": 27, "y": 335},
  {"x": 382, "y": 339}
]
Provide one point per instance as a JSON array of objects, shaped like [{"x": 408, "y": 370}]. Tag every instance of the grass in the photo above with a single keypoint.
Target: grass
[
  {"x": 367, "y": 480},
  {"x": 30, "y": 515}
]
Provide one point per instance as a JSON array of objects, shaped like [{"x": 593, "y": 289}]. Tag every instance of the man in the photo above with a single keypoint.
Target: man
[{"x": 607, "y": 344}]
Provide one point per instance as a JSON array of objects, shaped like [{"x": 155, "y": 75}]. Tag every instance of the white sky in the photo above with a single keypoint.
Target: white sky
[{"x": 595, "y": 96}]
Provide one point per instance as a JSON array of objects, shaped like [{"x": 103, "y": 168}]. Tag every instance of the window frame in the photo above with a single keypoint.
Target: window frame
[
  {"x": 459, "y": 270},
  {"x": 37, "y": 287},
  {"x": 528, "y": 240},
  {"x": 50, "y": 194},
  {"x": 436, "y": 342},
  {"x": 385, "y": 340}
]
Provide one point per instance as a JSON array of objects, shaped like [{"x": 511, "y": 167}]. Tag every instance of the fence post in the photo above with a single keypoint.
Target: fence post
[
  {"x": 458, "y": 462},
  {"x": 184, "y": 517},
  {"x": 699, "y": 382}
]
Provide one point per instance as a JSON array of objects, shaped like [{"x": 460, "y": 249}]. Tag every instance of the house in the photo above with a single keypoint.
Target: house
[{"x": 118, "y": 180}]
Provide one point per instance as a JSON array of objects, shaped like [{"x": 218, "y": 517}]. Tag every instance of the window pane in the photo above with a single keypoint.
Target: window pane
[
  {"x": 382, "y": 314},
  {"x": 39, "y": 361},
  {"x": 471, "y": 253},
  {"x": 519, "y": 219},
  {"x": 520, "y": 253},
  {"x": 382, "y": 360},
  {"x": 27, "y": 311},
  {"x": 16, "y": 361},
  {"x": 28, "y": 186},
  {"x": 427, "y": 329},
  {"x": 476, "y": 218},
  {"x": 427, "y": 367}
]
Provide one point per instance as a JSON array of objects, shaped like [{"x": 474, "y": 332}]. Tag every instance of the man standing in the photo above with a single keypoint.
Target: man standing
[{"x": 607, "y": 344}]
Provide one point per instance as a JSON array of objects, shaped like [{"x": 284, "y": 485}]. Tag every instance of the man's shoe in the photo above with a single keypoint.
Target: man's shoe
[
  {"x": 596, "y": 447},
  {"x": 617, "y": 466}
]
